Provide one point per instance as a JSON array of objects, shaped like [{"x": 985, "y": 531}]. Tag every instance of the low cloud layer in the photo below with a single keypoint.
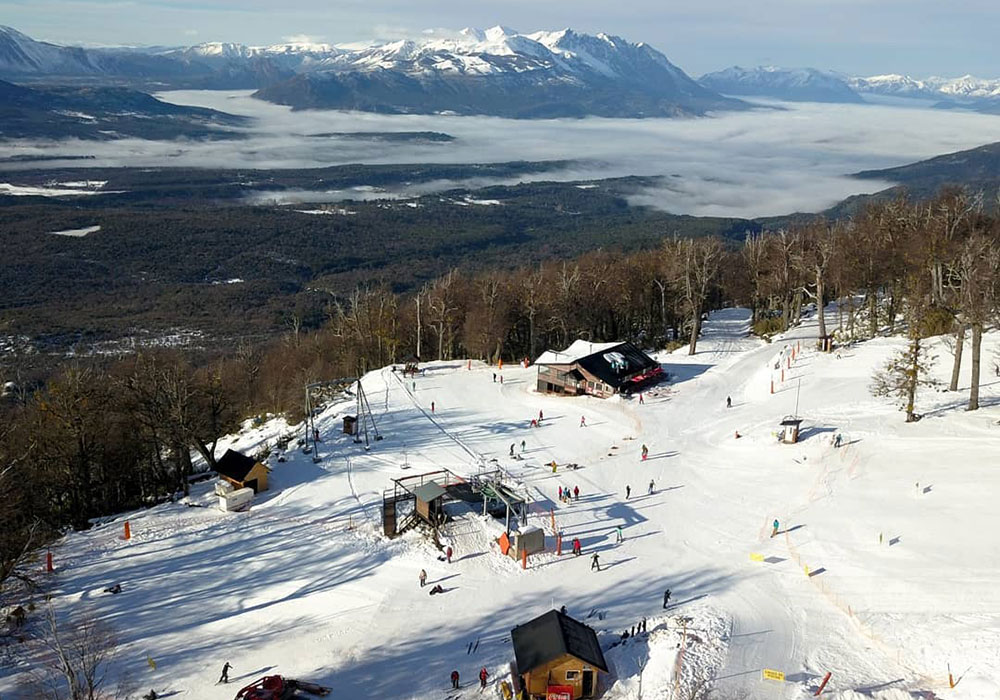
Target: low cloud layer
[{"x": 775, "y": 160}]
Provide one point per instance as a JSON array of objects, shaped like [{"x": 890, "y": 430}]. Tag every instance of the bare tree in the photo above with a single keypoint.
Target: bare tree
[
  {"x": 71, "y": 658},
  {"x": 694, "y": 266}
]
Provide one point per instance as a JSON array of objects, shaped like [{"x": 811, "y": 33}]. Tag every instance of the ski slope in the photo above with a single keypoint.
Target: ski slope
[{"x": 304, "y": 584}]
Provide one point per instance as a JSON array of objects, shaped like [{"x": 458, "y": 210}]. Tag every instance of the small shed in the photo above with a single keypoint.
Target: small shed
[
  {"x": 350, "y": 425},
  {"x": 242, "y": 471},
  {"x": 556, "y": 654},
  {"x": 790, "y": 430},
  {"x": 825, "y": 343},
  {"x": 430, "y": 501}
]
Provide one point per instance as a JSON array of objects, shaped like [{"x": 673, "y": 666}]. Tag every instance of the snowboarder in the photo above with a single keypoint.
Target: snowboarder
[
  {"x": 483, "y": 675},
  {"x": 650, "y": 489},
  {"x": 225, "y": 673},
  {"x": 595, "y": 562},
  {"x": 774, "y": 528},
  {"x": 576, "y": 493},
  {"x": 577, "y": 549},
  {"x": 423, "y": 578},
  {"x": 583, "y": 421},
  {"x": 628, "y": 491},
  {"x": 729, "y": 402},
  {"x": 117, "y": 588},
  {"x": 432, "y": 407},
  {"x": 618, "y": 534},
  {"x": 512, "y": 449},
  {"x": 666, "y": 598},
  {"x": 454, "y": 680},
  {"x": 645, "y": 453},
  {"x": 523, "y": 445},
  {"x": 448, "y": 553},
  {"x": 836, "y": 440}
]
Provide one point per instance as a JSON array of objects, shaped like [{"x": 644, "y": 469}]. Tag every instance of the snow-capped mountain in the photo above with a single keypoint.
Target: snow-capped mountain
[
  {"x": 494, "y": 71},
  {"x": 796, "y": 84},
  {"x": 965, "y": 87}
]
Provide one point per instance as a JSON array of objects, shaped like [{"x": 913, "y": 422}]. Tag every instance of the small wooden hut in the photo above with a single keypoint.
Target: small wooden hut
[
  {"x": 556, "y": 656},
  {"x": 430, "y": 502},
  {"x": 790, "y": 429},
  {"x": 242, "y": 471}
]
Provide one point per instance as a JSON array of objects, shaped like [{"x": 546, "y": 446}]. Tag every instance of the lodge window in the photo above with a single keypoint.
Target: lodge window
[{"x": 572, "y": 675}]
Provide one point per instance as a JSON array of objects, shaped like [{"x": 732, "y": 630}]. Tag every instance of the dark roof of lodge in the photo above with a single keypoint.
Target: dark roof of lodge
[
  {"x": 235, "y": 465},
  {"x": 636, "y": 361},
  {"x": 551, "y": 636}
]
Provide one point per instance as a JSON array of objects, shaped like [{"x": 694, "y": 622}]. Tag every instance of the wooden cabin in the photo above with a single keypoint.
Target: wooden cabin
[
  {"x": 556, "y": 656},
  {"x": 430, "y": 502},
  {"x": 242, "y": 471},
  {"x": 598, "y": 369}
]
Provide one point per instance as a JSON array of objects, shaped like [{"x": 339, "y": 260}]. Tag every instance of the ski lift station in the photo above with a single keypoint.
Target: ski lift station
[{"x": 429, "y": 497}]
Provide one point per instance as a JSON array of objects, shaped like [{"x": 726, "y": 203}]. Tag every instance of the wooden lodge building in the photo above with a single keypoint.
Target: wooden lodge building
[
  {"x": 556, "y": 656},
  {"x": 242, "y": 471},
  {"x": 599, "y": 369}
]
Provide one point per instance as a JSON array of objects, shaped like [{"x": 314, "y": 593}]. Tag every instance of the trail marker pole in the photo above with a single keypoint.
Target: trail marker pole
[
  {"x": 128, "y": 531},
  {"x": 826, "y": 679},
  {"x": 559, "y": 544},
  {"x": 524, "y": 558},
  {"x": 48, "y": 562}
]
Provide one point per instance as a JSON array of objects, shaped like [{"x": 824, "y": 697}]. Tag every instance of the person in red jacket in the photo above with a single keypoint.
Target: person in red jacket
[
  {"x": 447, "y": 553},
  {"x": 454, "y": 679},
  {"x": 483, "y": 674}
]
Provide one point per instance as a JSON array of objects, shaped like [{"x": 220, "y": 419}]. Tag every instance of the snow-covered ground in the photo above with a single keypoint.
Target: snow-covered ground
[{"x": 898, "y": 528}]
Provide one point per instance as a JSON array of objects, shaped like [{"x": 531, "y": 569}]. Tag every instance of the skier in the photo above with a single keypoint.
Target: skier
[
  {"x": 666, "y": 598},
  {"x": 583, "y": 421},
  {"x": 512, "y": 449},
  {"x": 423, "y": 578},
  {"x": 729, "y": 402},
  {"x": 224, "y": 678},
  {"x": 501, "y": 379},
  {"x": 523, "y": 445},
  {"x": 619, "y": 535},
  {"x": 483, "y": 674},
  {"x": 576, "y": 493},
  {"x": 448, "y": 553},
  {"x": 774, "y": 529},
  {"x": 836, "y": 440},
  {"x": 577, "y": 549},
  {"x": 539, "y": 417},
  {"x": 454, "y": 680},
  {"x": 560, "y": 493},
  {"x": 628, "y": 491},
  {"x": 432, "y": 407},
  {"x": 595, "y": 562},
  {"x": 650, "y": 489},
  {"x": 494, "y": 377},
  {"x": 645, "y": 453},
  {"x": 641, "y": 400}
]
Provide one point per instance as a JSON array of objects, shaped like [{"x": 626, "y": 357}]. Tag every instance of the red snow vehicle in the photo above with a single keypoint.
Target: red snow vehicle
[{"x": 279, "y": 688}]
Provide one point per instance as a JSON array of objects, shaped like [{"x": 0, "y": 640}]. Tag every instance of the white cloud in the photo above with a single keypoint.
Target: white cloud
[
  {"x": 302, "y": 39},
  {"x": 760, "y": 163}
]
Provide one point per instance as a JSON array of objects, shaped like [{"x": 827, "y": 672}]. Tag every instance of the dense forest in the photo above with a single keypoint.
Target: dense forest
[{"x": 109, "y": 433}]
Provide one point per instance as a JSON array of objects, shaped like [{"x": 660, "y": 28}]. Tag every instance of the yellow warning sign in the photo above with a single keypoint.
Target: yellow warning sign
[
  {"x": 756, "y": 556},
  {"x": 772, "y": 675}
]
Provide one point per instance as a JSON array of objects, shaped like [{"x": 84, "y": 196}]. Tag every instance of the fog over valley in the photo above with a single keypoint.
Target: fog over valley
[{"x": 780, "y": 158}]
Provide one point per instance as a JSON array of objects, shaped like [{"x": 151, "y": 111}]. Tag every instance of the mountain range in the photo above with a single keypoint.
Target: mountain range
[
  {"x": 497, "y": 72},
  {"x": 810, "y": 84}
]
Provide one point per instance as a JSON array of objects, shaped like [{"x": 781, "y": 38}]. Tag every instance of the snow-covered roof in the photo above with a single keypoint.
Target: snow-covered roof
[{"x": 579, "y": 348}]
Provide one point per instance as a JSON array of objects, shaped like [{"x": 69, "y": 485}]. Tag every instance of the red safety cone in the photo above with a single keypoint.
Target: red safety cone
[{"x": 128, "y": 531}]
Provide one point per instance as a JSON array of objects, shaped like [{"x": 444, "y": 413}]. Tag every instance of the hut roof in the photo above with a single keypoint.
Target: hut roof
[
  {"x": 235, "y": 465},
  {"x": 429, "y": 491},
  {"x": 551, "y": 636}
]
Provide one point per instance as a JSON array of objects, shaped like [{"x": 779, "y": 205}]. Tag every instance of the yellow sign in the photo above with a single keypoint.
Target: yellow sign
[
  {"x": 756, "y": 556},
  {"x": 772, "y": 675}
]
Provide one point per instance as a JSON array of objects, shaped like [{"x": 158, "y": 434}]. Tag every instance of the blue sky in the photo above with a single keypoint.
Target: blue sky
[{"x": 919, "y": 37}]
